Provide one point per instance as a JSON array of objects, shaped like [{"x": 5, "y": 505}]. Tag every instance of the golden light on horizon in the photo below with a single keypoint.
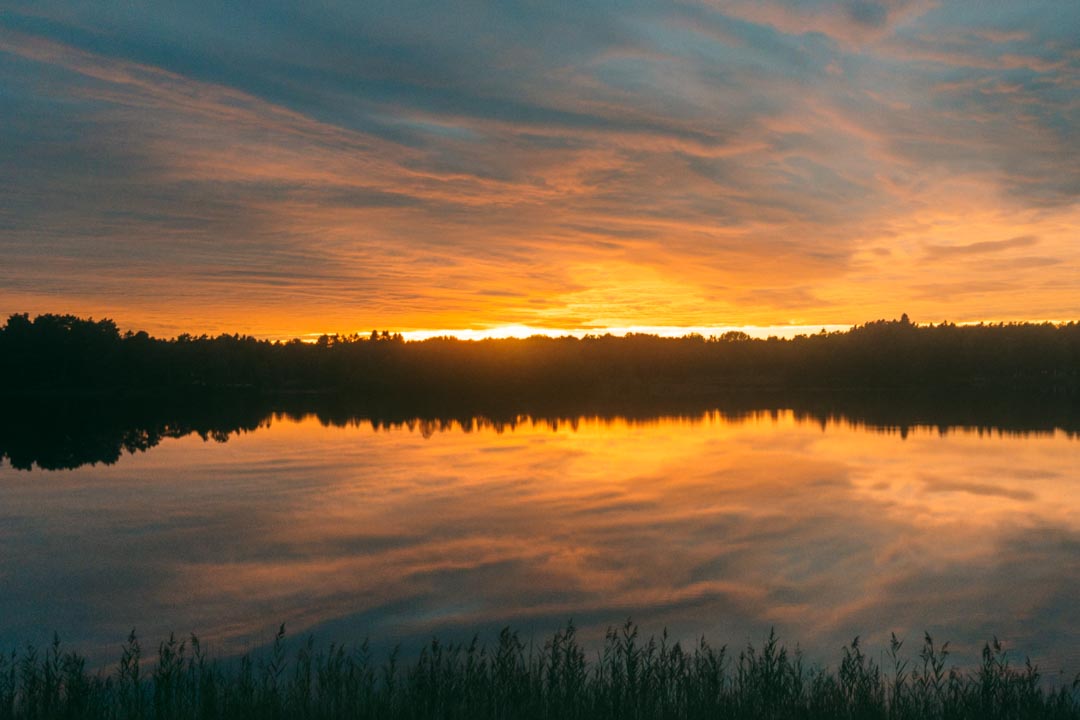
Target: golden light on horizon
[{"x": 668, "y": 331}]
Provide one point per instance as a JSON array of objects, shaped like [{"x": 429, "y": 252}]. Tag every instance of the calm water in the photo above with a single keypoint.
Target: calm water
[{"x": 716, "y": 526}]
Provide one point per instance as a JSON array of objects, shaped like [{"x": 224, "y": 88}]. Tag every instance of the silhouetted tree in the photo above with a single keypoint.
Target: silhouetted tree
[{"x": 66, "y": 354}]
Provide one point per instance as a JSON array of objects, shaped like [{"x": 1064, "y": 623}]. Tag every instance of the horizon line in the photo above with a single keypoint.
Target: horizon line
[
  {"x": 518, "y": 331},
  {"x": 521, "y": 331}
]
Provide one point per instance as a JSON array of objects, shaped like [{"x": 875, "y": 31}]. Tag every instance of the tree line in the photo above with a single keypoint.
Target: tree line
[{"x": 64, "y": 354}]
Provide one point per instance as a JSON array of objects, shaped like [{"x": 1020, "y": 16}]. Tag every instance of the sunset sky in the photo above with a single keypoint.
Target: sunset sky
[{"x": 283, "y": 169}]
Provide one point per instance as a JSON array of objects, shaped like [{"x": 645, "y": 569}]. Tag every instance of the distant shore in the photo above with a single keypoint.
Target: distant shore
[{"x": 61, "y": 355}]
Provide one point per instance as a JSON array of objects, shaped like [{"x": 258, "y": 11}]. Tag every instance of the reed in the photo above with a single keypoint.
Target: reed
[{"x": 631, "y": 677}]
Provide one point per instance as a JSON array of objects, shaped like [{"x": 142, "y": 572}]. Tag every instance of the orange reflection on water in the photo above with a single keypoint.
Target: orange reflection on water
[{"x": 705, "y": 524}]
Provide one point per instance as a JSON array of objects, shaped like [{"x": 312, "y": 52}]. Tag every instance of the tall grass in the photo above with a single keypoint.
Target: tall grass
[{"x": 630, "y": 677}]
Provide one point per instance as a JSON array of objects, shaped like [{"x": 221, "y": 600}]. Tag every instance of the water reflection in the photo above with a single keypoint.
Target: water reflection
[
  {"x": 58, "y": 434},
  {"x": 722, "y": 523}
]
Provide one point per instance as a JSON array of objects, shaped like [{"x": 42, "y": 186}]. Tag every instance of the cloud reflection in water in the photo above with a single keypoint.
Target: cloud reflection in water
[{"x": 720, "y": 527}]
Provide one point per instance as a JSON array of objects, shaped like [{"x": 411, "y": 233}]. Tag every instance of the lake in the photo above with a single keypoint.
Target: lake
[{"x": 719, "y": 524}]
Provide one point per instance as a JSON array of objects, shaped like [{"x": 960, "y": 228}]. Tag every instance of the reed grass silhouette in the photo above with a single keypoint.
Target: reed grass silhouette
[{"x": 630, "y": 677}]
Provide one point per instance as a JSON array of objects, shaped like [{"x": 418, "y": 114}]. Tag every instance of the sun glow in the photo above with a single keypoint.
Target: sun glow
[
  {"x": 499, "y": 332},
  {"x": 524, "y": 331}
]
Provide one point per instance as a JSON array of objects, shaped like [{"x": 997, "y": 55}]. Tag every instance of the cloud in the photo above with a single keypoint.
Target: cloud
[
  {"x": 852, "y": 23},
  {"x": 934, "y": 252},
  {"x": 939, "y": 485}
]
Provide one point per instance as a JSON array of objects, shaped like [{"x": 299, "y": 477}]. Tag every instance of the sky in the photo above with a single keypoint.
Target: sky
[{"x": 287, "y": 169}]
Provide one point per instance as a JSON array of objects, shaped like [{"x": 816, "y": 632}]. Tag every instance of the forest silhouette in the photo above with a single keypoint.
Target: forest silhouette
[{"x": 63, "y": 354}]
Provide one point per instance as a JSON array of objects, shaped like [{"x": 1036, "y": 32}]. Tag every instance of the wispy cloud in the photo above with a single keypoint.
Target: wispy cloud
[{"x": 980, "y": 248}]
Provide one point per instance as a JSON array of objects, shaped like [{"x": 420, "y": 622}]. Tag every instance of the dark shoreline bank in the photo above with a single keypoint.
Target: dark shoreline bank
[{"x": 63, "y": 355}]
